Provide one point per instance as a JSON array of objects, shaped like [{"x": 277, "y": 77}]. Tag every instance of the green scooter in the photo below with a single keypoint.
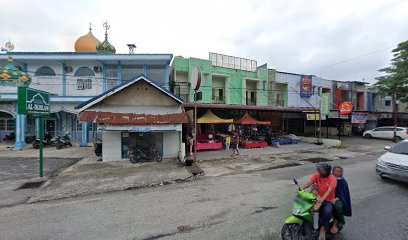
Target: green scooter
[{"x": 300, "y": 224}]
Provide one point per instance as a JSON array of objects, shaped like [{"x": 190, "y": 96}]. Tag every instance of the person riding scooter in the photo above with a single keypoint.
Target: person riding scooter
[{"x": 326, "y": 183}]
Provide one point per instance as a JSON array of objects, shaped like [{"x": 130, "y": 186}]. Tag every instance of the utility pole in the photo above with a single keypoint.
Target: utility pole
[
  {"x": 195, "y": 126},
  {"x": 395, "y": 112},
  {"x": 320, "y": 120}
]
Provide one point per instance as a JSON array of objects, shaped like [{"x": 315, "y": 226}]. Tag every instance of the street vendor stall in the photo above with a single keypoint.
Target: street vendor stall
[
  {"x": 251, "y": 139},
  {"x": 208, "y": 140}
]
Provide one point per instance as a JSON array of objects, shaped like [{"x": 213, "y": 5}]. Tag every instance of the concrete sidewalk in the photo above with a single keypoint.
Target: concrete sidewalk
[
  {"x": 203, "y": 156},
  {"x": 101, "y": 177}
]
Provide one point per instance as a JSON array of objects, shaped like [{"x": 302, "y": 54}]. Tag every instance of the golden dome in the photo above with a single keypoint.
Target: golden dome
[{"x": 87, "y": 43}]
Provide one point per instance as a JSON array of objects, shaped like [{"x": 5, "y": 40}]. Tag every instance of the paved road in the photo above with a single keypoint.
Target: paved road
[{"x": 242, "y": 206}]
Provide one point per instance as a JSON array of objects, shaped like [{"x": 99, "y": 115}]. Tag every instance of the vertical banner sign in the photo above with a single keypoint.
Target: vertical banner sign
[
  {"x": 305, "y": 86},
  {"x": 325, "y": 104},
  {"x": 35, "y": 103}
]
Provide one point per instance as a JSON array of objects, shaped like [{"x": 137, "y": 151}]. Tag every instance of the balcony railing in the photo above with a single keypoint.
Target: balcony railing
[
  {"x": 251, "y": 101},
  {"x": 218, "y": 99},
  {"x": 280, "y": 102}
]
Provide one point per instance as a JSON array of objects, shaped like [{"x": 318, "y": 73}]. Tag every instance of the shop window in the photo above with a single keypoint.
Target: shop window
[{"x": 143, "y": 141}]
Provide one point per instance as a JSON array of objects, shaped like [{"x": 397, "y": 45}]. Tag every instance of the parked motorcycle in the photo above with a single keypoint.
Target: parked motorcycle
[
  {"x": 138, "y": 153},
  {"x": 48, "y": 140},
  {"x": 64, "y": 141},
  {"x": 300, "y": 224},
  {"x": 98, "y": 148}
]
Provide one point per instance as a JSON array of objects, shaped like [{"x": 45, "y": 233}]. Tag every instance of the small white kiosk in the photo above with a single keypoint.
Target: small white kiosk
[{"x": 137, "y": 112}]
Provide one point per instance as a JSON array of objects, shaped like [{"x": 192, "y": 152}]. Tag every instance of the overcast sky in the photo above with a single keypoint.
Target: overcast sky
[{"x": 343, "y": 40}]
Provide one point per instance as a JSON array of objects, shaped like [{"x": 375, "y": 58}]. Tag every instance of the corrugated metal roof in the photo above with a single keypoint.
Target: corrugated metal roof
[
  {"x": 122, "y": 119},
  {"x": 245, "y": 107}
]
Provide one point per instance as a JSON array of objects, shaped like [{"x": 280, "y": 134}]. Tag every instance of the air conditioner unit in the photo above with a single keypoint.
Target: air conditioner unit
[
  {"x": 68, "y": 69},
  {"x": 97, "y": 69}
]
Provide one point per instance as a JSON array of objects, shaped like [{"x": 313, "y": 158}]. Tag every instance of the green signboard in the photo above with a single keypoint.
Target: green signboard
[
  {"x": 33, "y": 102},
  {"x": 325, "y": 104}
]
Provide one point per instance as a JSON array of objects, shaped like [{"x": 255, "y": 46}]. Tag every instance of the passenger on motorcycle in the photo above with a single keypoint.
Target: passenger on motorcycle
[
  {"x": 326, "y": 183},
  {"x": 342, "y": 202}
]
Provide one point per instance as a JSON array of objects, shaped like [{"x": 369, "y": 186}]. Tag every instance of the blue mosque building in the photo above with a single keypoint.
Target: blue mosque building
[{"x": 72, "y": 78}]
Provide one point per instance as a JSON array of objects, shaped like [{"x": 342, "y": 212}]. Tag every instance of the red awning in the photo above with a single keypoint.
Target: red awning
[
  {"x": 132, "y": 118},
  {"x": 248, "y": 120}
]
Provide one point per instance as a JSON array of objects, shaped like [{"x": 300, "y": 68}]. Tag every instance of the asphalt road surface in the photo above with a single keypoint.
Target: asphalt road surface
[{"x": 242, "y": 206}]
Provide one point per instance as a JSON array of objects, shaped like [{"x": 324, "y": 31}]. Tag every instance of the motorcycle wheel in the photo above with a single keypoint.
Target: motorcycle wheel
[
  {"x": 98, "y": 153},
  {"x": 36, "y": 145},
  {"x": 70, "y": 144},
  {"x": 59, "y": 146},
  {"x": 291, "y": 232},
  {"x": 135, "y": 157},
  {"x": 156, "y": 154}
]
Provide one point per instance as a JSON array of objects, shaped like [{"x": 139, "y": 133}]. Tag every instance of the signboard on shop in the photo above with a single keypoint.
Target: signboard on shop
[
  {"x": 325, "y": 104},
  {"x": 312, "y": 117},
  {"x": 306, "y": 86},
  {"x": 358, "y": 117}
]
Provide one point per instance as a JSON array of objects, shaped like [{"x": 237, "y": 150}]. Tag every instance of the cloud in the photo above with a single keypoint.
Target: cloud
[{"x": 295, "y": 36}]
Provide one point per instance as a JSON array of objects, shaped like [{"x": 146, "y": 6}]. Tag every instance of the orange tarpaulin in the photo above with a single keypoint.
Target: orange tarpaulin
[{"x": 248, "y": 120}]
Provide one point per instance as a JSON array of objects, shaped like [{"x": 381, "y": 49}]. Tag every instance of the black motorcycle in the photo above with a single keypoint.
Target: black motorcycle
[
  {"x": 138, "y": 153},
  {"x": 98, "y": 148},
  {"x": 48, "y": 140},
  {"x": 64, "y": 141}
]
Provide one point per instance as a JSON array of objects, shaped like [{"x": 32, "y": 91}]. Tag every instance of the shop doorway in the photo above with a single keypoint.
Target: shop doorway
[
  {"x": 50, "y": 126},
  {"x": 142, "y": 140}
]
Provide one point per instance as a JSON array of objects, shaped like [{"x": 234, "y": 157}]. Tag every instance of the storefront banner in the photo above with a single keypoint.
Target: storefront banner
[
  {"x": 306, "y": 86},
  {"x": 358, "y": 117},
  {"x": 371, "y": 117},
  {"x": 312, "y": 117},
  {"x": 335, "y": 114},
  {"x": 325, "y": 104}
]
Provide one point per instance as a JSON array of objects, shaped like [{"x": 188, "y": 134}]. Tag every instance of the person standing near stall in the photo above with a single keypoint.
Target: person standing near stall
[
  {"x": 227, "y": 142},
  {"x": 235, "y": 142},
  {"x": 190, "y": 140}
]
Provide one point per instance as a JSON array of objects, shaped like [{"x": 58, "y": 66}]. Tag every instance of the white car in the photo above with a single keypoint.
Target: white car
[
  {"x": 387, "y": 133},
  {"x": 394, "y": 163}
]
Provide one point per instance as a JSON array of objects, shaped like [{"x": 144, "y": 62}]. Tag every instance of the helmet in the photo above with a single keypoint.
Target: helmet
[{"x": 324, "y": 166}]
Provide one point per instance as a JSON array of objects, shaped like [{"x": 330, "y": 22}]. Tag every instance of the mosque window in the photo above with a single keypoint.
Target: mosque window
[
  {"x": 85, "y": 75},
  {"x": 44, "y": 71},
  {"x": 84, "y": 83},
  {"x": 6, "y": 121},
  {"x": 84, "y": 72}
]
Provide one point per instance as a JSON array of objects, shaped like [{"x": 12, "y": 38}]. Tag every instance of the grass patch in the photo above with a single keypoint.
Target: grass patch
[{"x": 340, "y": 147}]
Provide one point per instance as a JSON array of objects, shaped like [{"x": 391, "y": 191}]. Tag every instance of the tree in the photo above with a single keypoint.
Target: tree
[{"x": 395, "y": 81}]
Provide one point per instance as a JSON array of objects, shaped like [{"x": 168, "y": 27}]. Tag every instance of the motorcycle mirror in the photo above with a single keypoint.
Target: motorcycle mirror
[{"x": 295, "y": 181}]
